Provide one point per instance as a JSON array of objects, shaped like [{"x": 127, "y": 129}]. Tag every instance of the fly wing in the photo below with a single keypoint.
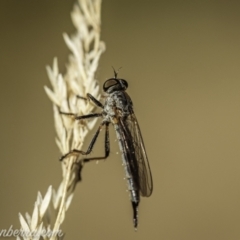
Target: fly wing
[{"x": 143, "y": 171}]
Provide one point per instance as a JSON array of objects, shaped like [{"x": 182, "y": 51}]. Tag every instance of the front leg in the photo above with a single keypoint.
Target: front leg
[{"x": 93, "y": 99}]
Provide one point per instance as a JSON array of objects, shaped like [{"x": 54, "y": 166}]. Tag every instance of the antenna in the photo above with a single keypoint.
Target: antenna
[{"x": 116, "y": 72}]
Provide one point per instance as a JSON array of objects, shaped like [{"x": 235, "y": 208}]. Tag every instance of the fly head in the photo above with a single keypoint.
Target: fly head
[{"x": 115, "y": 84}]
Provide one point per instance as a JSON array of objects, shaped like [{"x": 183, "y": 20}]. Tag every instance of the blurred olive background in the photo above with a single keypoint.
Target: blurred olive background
[{"x": 181, "y": 59}]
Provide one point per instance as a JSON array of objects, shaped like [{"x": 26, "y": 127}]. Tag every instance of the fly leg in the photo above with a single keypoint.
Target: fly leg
[
  {"x": 90, "y": 147},
  {"x": 91, "y": 115},
  {"x": 93, "y": 99},
  {"x": 107, "y": 146}
]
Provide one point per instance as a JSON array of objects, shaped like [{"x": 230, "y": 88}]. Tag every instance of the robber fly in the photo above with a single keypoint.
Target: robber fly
[{"x": 118, "y": 110}]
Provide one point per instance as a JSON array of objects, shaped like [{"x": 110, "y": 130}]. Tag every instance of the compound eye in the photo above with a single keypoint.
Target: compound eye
[{"x": 109, "y": 83}]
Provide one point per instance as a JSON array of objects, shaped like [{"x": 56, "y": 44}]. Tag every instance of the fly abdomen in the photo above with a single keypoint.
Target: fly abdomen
[{"x": 132, "y": 185}]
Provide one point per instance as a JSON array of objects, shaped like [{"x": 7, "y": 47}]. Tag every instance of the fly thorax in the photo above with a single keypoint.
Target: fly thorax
[
  {"x": 109, "y": 108},
  {"x": 123, "y": 103}
]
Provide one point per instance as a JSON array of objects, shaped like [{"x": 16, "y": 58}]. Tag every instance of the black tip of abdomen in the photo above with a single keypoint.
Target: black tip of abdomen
[{"x": 135, "y": 214}]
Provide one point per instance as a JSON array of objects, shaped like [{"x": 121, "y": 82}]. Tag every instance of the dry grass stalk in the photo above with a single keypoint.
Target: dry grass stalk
[{"x": 86, "y": 49}]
